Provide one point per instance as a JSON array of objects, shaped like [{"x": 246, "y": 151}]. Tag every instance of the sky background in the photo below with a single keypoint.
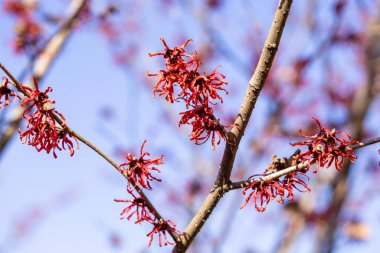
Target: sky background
[{"x": 66, "y": 204}]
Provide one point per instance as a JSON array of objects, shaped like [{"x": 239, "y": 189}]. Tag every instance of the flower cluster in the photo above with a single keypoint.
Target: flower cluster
[
  {"x": 42, "y": 130},
  {"x": 181, "y": 80},
  {"x": 28, "y": 31},
  {"x": 326, "y": 148},
  {"x": 161, "y": 227},
  {"x": 6, "y": 93},
  {"x": 138, "y": 170},
  {"x": 136, "y": 207},
  {"x": 262, "y": 192}
]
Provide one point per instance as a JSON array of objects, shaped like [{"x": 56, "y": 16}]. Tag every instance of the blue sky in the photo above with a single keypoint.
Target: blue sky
[{"x": 71, "y": 198}]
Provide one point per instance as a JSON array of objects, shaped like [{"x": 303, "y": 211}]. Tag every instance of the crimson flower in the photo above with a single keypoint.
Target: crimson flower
[
  {"x": 327, "y": 148},
  {"x": 136, "y": 207},
  {"x": 181, "y": 81},
  {"x": 48, "y": 138},
  {"x": 64, "y": 140},
  {"x": 161, "y": 227},
  {"x": 204, "y": 125},
  {"x": 174, "y": 56},
  {"x": 28, "y": 31},
  {"x": 204, "y": 128},
  {"x": 28, "y": 35},
  {"x": 202, "y": 87},
  {"x": 138, "y": 170},
  {"x": 42, "y": 130},
  {"x": 165, "y": 85},
  {"x": 263, "y": 192},
  {"x": 16, "y": 8},
  {"x": 7, "y": 93},
  {"x": 291, "y": 181}
]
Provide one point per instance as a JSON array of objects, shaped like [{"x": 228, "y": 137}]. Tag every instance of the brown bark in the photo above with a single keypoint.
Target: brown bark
[{"x": 234, "y": 136}]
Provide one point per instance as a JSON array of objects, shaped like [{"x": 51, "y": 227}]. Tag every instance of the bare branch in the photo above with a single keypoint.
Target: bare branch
[
  {"x": 54, "y": 45},
  {"x": 234, "y": 136},
  {"x": 298, "y": 167},
  {"x": 97, "y": 150}
]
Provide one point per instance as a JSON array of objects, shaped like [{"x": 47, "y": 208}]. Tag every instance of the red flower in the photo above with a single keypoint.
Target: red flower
[
  {"x": 326, "y": 148},
  {"x": 140, "y": 209},
  {"x": 198, "y": 91},
  {"x": 174, "y": 57},
  {"x": 198, "y": 112},
  {"x": 263, "y": 192},
  {"x": 291, "y": 181},
  {"x": 48, "y": 139},
  {"x": 6, "y": 92},
  {"x": 202, "y": 87},
  {"x": 165, "y": 85},
  {"x": 43, "y": 132},
  {"x": 29, "y": 34},
  {"x": 204, "y": 128},
  {"x": 139, "y": 170},
  {"x": 16, "y": 8},
  {"x": 28, "y": 31},
  {"x": 44, "y": 111},
  {"x": 160, "y": 228},
  {"x": 64, "y": 141},
  {"x": 204, "y": 125}
]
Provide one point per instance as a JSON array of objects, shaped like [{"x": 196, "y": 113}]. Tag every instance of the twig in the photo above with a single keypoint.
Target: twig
[
  {"x": 234, "y": 136},
  {"x": 277, "y": 174},
  {"x": 97, "y": 150}
]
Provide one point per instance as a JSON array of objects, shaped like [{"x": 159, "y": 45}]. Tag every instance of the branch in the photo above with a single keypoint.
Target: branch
[
  {"x": 255, "y": 86},
  {"x": 277, "y": 174},
  {"x": 234, "y": 136},
  {"x": 97, "y": 150},
  {"x": 54, "y": 45}
]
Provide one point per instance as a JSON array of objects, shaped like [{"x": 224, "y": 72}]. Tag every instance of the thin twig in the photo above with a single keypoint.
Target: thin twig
[
  {"x": 97, "y": 150},
  {"x": 234, "y": 136},
  {"x": 280, "y": 173}
]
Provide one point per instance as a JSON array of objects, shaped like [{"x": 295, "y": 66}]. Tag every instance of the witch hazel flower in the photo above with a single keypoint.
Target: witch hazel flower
[
  {"x": 262, "y": 192},
  {"x": 29, "y": 34},
  {"x": 181, "y": 81},
  {"x": 202, "y": 89},
  {"x": 38, "y": 100},
  {"x": 327, "y": 147},
  {"x": 15, "y": 7},
  {"x": 6, "y": 93},
  {"x": 137, "y": 207},
  {"x": 161, "y": 228},
  {"x": 165, "y": 85},
  {"x": 42, "y": 129},
  {"x": 174, "y": 57},
  {"x": 48, "y": 138},
  {"x": 139, "y": 170},
  {"x": 293, "y": 181},
  {"x": 28, "y": 31},
  {"x": 204, "y": 125}
]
